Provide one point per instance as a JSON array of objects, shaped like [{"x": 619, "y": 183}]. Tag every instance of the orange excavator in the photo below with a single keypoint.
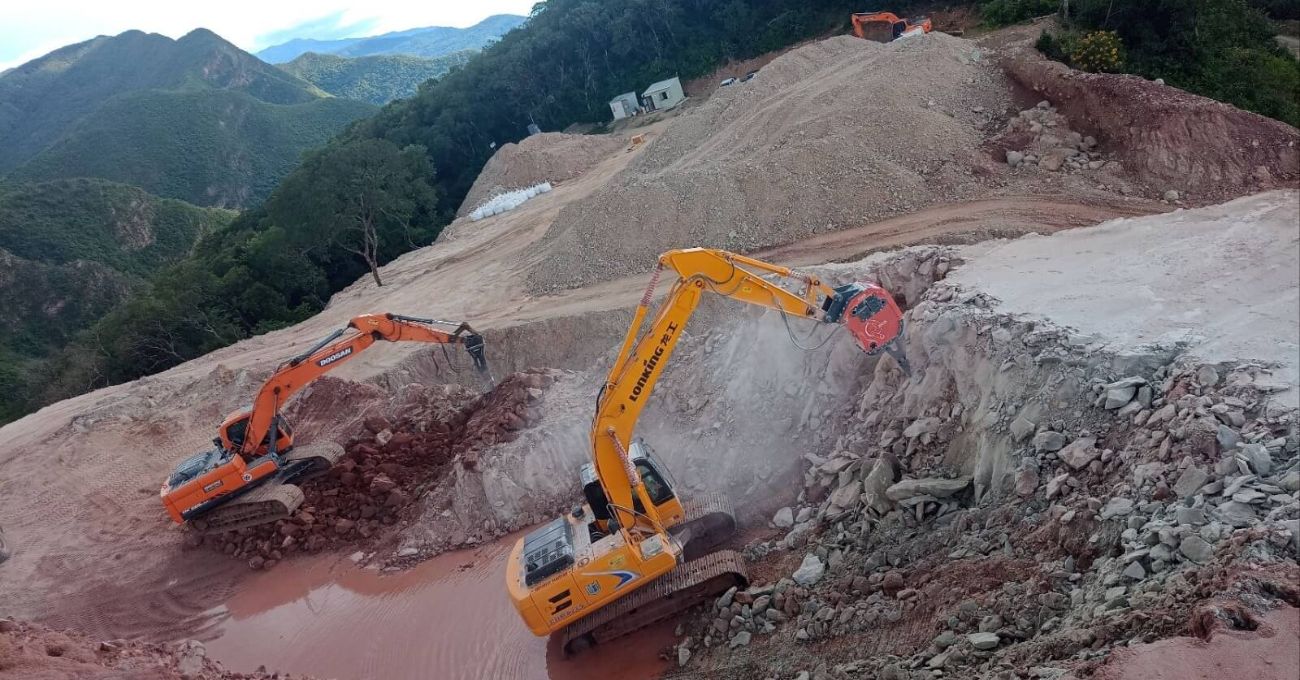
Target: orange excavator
[
  {"x": 888, "y": 27},
  {"x": 637, "y": 551},
  {"x": 249, "y": 476}
]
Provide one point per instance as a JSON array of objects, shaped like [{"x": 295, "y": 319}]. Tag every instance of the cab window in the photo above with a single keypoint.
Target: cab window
[{"x": 655, "y": 486}]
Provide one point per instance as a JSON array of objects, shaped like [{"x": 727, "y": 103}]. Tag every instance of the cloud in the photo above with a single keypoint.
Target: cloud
[{"x": 329, "y": 27}]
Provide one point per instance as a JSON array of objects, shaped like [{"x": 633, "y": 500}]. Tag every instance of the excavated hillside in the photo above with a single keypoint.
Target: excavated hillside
[
  {"x": 828, "y": 136},
  {"x": 1097, "y": 448}
]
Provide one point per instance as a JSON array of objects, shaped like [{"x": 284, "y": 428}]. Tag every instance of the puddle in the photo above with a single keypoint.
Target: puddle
[{"x": 449, "y": 618}]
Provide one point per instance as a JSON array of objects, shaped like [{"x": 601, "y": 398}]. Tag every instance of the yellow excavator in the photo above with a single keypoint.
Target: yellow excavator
[{"x": 636, "y": 552}]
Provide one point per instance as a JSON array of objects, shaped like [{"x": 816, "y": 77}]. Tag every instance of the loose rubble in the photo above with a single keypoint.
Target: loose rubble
[
  {"x": 1021, "y": 507},
  {"x": 388, "y": 466}
]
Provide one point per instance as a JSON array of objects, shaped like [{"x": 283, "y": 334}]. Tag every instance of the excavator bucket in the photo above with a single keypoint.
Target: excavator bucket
[{"x": 871, "y": 317}]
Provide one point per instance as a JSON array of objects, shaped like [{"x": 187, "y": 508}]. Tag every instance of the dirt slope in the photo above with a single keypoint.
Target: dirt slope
[
  {"x": 548, "y": 157},
  {"x": 78, "y": 480},
  {"x": 830, "y": 135}
]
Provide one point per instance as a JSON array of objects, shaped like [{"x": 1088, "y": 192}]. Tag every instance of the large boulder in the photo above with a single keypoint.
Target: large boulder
[
  {"x": 1079, "y": 453},
  {"x": 876, "y": 484},
  {"x": 930, "y": 486},
  {"x": 810, "y": 571}
]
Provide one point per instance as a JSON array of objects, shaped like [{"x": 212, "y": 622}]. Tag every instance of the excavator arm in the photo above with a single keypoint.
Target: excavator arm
[
  {"x": 328, "y": 354},
  {"x": 867, "y": 310}
]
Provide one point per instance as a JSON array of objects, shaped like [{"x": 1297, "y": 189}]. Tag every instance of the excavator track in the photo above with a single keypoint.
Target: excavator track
[
  {"x": 276, "y": 499},
  {"x": 269, "y": 502},
  {"x": 687, "y": 585},
  {"x": 709, "y": 523},
  {"x": 312, "y": 460}
]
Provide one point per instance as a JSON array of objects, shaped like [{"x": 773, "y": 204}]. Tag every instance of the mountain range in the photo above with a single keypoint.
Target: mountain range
[
  {"x": 196, "y": 118},
  {"x": 119, "y": 153},
  {"x": 430, "y": 42}
]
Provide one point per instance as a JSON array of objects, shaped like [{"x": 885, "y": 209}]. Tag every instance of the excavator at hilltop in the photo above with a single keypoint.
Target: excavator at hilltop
[
  {"x": 249, "y": 476},
  {"x": 887, "y": 26},
  {"x": 637, "y": 552}
]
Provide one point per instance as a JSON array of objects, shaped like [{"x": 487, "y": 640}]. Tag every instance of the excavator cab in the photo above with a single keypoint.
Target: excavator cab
[
  {"x": 236, "y": 425},
  {"x": 659, "y": 486}
]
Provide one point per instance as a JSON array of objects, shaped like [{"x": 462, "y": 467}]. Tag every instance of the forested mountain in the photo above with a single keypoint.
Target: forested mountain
[
  {"x": 430, "y": 42},
  {"x": 195, "y": 118},
  {"x": 377, "y": 80},
  {"x": 404, "y": 170},
  {"x": 69, "y": 251}
]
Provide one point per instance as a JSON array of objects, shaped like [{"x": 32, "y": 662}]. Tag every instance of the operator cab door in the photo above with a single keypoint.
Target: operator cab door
[
  {"x": 659, "y": 485},
  {"x": 237, "y": 427}
]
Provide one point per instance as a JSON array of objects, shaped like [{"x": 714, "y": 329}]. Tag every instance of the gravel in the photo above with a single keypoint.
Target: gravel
[{"x": 834, "y": 134}]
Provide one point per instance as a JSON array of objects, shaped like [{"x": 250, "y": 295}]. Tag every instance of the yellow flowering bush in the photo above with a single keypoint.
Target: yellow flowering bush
[{"x": 1099, "y": 51}]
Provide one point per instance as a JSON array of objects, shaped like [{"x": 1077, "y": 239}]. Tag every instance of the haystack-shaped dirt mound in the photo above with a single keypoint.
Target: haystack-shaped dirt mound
[
  {"x": 835, "y": 133},
  {"x": 548, "y": 157}
]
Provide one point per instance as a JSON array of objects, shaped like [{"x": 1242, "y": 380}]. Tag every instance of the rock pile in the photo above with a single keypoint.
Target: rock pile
[
  {"x": 1041, "y": 136},
  {"x": 392, "y": 462},
  {"x": 1025, "y": 504}
]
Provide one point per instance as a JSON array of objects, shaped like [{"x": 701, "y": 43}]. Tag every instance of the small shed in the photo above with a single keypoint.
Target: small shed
[
  {"x": 664, "y": 94},
  {"x": 624, "y": 105}
]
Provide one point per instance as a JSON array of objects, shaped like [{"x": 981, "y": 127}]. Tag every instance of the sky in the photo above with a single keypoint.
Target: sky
[{"x": 31, "y": 28}]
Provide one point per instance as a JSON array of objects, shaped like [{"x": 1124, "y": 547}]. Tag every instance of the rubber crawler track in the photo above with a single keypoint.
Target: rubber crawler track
[
  {"x": 687, "y": 585},
  {"x": 276, "y": 499}
]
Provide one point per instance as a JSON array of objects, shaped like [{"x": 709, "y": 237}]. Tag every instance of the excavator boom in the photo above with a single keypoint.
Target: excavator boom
[
  {"x": 636, "y": 552},
  {"x": 333, "y": 352},
  {"x": 249, "y": 477},
  {"x": 866, "y": 310}
]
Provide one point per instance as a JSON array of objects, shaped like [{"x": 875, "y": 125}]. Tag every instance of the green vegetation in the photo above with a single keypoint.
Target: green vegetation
[
  {"x": 120, "y": 226},
  {"x": 70, "y": 250},
  {"x": 278, "y": 263},
  {"x": 377, "y": 80},
  {"x": 208, "y": 147},
  {"x": 1098, "y": 52},
  {"x": 1222, "y": 49},
  {"x": 365, "y": 197},
  {"x": 195, "y": 119},
  {"x": 1007, "y": 12}
]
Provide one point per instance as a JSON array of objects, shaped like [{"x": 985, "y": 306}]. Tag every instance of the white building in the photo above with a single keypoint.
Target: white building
[
  {"x": 624, "y": 105},
  {"x": 664, "y": 94}
]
